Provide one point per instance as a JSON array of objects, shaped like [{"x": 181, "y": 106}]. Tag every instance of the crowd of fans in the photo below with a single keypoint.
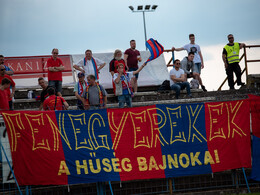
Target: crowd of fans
[{"x": 124, "y": 71}]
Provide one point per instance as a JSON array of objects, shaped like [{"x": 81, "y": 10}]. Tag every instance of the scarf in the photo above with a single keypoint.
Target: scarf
[
  {"x": 94, "y": 65},
  {"x": 101, "y": 101},
  {"x": 80, "y": 87}
]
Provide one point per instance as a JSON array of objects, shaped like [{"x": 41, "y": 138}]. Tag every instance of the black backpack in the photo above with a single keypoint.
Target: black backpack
[{"x": 165, "y": 86}]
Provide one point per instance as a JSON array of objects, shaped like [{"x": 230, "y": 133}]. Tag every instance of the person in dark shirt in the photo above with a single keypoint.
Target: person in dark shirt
[
  {"x": 115, "y": 61},
  {"x": 132, "y": 56},
  {"x": 44, "y": 93}
]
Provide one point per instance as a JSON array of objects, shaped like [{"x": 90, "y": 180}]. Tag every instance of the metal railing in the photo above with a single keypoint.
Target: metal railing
[
  {"x": 244, "y": 55},
  {"x": 172, "y": 58}
]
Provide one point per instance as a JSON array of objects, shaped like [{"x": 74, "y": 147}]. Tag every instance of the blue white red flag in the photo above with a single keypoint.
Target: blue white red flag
[{"x": 155, "y": 48}]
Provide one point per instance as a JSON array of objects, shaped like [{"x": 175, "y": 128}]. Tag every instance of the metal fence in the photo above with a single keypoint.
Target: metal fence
[{"x": 233, "y": 181}]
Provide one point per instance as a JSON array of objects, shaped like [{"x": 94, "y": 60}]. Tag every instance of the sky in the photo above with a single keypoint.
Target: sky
[{"x": 35, "y": 27}]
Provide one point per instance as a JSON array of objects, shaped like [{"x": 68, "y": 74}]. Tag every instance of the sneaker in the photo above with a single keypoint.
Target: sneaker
[
  {"x": 242, "y": 84},
  {"x": 190, "y": 96},
  {"x": 203, "y": 88}
]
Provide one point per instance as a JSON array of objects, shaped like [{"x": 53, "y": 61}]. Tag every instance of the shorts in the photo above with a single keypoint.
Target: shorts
[
  {"x": 189, "y": 75},
  {"x": 197, "y": 67},
  {"x": 134, "y": 69},
  {"x": 56, "y": 84}
]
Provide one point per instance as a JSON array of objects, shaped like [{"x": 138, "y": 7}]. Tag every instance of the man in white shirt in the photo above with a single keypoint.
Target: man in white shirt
[
  {"x": 177, "y": 79},
  {"x": 193, "y": 47},
  {"x": 90, "y": 65}
]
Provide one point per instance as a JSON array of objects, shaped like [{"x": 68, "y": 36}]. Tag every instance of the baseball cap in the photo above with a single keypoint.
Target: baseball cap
[{"x": 81, "y": 74}]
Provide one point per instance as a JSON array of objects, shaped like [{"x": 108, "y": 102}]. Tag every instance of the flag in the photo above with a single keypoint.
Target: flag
[{"x": 155, "y": 48}]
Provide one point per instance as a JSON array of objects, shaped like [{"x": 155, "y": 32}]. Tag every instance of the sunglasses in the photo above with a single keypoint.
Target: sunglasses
[
  {"x": 230, "y": 37},
  {"x": 178, "y": 63},
  {"x": 2, "y": 69},
  {"x": 55, "y": 53}
]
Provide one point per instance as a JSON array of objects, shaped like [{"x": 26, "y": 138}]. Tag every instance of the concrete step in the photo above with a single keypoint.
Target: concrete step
[{"x": 153, "y": 97}]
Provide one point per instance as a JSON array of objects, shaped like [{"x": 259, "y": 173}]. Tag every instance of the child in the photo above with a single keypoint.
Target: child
[{"x": 122, "y": 85}]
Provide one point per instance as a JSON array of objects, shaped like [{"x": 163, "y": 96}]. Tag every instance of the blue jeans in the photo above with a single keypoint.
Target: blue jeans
[
  {"x": 122, "y": 99},
  {"x": 56, "y": 84},
  {"x": 177, "y": 87}
]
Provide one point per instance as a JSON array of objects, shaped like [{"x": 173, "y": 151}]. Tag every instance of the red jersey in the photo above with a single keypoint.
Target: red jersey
[
  {"x": 4, "y": 100},
  {"x": 54, "y": 76},
  {"x": 8, "y": 89},
  {"x": 49, "y": 103}
]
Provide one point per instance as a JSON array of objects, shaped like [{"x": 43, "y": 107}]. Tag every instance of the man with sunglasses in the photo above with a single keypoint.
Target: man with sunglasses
[
  {"x": 55, "y": 68},
  {"x": 230, "y": 56},
  {"x": 178, "y": 80},
  {"x": 9, "y": 93}
]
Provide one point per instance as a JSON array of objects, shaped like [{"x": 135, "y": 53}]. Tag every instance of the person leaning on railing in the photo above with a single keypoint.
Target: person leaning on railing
[{"x": 230, "y": 57}]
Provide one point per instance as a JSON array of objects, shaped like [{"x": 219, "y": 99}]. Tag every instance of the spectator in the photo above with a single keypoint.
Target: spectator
[
  {"x": 192, "y": 47},
  {"x": 187, "y": 65},
  {"x": 230, "y": 56},
  {"x": 9, "y": 93},
  {"x": 53, "y": 102},
  {"x": 95, "y": 96},
  {"x": 8, "y": 70},
  {"x": 177, "y": 79},
  {"x": 122, "y": 83},
  {"x": 117, "y": 59},
  {"x": 5, "y": 84},
  {"x": 79, "y": 90},
  {"x": 44, "y": 93},
  {"x": 132, "y": 56},
  {"x": 90, "y": 65},
  {"x": 55, "y": 68},
  {"x": 114, "y": 63}
]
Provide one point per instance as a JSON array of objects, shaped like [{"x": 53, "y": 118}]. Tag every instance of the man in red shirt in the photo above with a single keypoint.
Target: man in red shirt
[
  {"x": 3, "y": 94},
  {"x": 55, "y": 68},
  {"x": 132, "y": 56},
  {"x": 54, "y": 102},
  {"x": 10, "y": 95}
]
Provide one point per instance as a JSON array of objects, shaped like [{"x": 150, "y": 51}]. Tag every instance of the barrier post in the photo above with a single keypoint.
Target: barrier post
[
  {"x": 173, "y": 57},
  {"x": 26, "y": 190},
  {"x": 111, "y": 189},
  {"x": 170, "y": 186},
  {"x": 235, "y": 179},
  {"x": 101, "y": 188},
  {"x": 246, "y": 179}
]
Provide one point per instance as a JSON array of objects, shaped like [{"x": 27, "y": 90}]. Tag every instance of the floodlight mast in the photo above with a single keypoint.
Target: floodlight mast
[{"x": 143, "y": 9}]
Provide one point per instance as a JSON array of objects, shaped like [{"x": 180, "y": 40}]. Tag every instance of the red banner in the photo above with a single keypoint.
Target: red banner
[
  {"x": 35, "y": 66},
  {"x": 228, "y": 122},
  {"x": 159, "y": 141}
]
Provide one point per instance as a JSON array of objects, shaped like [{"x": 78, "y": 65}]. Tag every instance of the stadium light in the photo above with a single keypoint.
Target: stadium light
[{"x": 143, "y": 9}]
